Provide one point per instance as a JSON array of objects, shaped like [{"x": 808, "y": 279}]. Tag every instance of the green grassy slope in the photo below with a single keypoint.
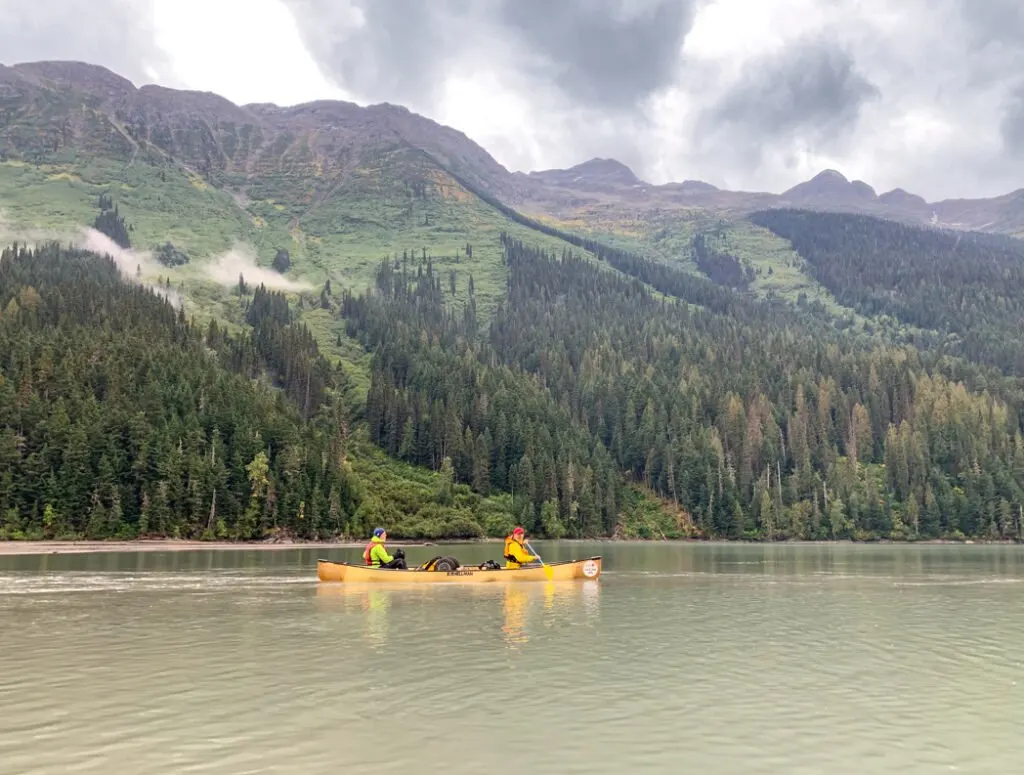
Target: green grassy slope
[
  {"x": 668, "y": 235},
  {"x": 401, "y": 205}
]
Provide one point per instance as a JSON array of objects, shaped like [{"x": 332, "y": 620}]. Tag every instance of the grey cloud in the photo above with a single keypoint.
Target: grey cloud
[
  {"x": 1011, "y": 127},
  {"x": 983, "y": 38},
  {"x": 398, "y": 54},
  {"x": 609, "y": 53},
  {"x": 917, "y": 94},
  {"x": 993, "y": 21},
  {"x": 811, "y": 89},
  {"x": 599, "y": 53},
  {"x": 117, "y": 34}
]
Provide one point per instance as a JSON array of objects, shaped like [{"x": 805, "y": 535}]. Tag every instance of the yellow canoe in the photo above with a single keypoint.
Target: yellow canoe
[{"x": 570, "y": 570}]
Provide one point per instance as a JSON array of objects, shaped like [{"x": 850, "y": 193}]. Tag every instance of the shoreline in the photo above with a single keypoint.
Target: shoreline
[{"x": 15, "y": 548}]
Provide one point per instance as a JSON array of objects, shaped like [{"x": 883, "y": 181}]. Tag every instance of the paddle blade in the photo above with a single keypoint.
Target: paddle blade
[{"x": 549, "y": 572}]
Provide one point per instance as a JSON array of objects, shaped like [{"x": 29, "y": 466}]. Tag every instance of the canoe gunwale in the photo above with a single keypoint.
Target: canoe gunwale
[{"x": 468, "y": 567}]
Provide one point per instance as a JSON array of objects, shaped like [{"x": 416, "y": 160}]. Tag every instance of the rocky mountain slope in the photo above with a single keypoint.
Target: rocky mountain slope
[
  {"x": 90, "y": 108},
  {"x": 52, "y": 110}
]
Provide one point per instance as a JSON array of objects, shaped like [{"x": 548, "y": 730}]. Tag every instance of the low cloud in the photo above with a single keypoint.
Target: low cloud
[
  {"x": 240, "y": 261},
  {"x": 131, "y": 262},
  {"x": 135, "y": 265},
  {"x": 138, "y": 267}
]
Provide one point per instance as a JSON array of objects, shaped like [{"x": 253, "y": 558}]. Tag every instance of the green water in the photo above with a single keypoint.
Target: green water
[{"x": 682, "y": 658}]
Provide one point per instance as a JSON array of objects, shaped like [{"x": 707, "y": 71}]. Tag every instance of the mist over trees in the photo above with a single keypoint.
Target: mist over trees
[{"x": 119, "y": 418}]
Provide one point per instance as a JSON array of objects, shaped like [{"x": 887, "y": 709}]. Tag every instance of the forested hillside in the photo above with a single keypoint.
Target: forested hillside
[
  {"x": 762, "y": 428},
  {"x": 593, "y": 378},
  {"x": 119, "y": 418},
  {"x": 966, "y": 285}
]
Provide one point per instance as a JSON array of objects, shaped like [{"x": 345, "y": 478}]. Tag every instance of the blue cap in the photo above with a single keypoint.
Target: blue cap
[{"x": 378, "y": 532}]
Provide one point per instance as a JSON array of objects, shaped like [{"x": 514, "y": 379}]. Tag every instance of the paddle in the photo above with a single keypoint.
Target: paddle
[{"x": 549, "y": 572}]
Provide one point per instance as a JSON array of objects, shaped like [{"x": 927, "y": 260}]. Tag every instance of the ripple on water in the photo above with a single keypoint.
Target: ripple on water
[{"x": 739, "y": 667}]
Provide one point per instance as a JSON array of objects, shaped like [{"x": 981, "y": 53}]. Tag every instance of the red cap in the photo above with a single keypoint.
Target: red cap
[{"x": 518, "y": 530}]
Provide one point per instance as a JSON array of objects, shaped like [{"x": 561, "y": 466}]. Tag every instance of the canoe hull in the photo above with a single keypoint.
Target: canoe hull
[{"x": 588, "y": 569}]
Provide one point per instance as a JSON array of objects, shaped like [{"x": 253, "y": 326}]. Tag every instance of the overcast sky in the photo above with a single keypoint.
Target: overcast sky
[{"x": 749, "y": 94}]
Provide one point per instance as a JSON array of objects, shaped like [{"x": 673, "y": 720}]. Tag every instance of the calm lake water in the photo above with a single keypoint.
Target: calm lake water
[{"x": 682, "y": 658}]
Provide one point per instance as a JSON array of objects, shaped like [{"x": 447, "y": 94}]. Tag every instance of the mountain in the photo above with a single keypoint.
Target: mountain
[
  {"x": 596, "y": 174},
  {"x": 355, "y": 316},
  {"x": 216, "y": 137},
  {"x": 831, "y": 187},
  {"x": 332, "y": 185},
  {"x": 321, "y": 145}
]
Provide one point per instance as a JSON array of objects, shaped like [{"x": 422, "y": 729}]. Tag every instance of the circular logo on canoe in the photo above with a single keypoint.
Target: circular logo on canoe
[{"x": 590, "y": 569}]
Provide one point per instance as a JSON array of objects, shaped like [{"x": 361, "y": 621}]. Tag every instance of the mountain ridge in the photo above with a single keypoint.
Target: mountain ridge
[{"x": 315, "y": 136}]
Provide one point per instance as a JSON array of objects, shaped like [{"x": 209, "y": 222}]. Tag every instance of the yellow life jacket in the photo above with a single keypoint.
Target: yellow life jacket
[{"x": 510, "y": 557}]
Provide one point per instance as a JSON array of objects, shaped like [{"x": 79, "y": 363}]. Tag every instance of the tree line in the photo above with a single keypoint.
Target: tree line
[
  {"x": 119, "y": 418},
  {"x": 755, "y": 424},
  {"x": 968, "y": 287},
  {"x": 720, "y": 267}
]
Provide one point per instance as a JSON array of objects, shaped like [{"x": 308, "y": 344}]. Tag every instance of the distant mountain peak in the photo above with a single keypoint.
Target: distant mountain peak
[
  {"x": 830, "y": 175},
  {"x": 830, "y": 187},
  {"x": 605, "y": 166},
  {"x": 596, "y": 172},
  {"x": 698, "y": 185},
  {"x": 864, "y": 189},
  {"x": 74, "y": 73},
  {"x": 899, "y": 197}
]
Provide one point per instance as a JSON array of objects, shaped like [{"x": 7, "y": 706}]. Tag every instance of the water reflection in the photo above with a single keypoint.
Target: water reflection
[
  {"x": 517, "y": 608},
  {"x": 591, "y": 591},
  {"x": 372, "y": 602},
  {"x": 514, "y": 628},
  {"x": 557, "y": 601}
]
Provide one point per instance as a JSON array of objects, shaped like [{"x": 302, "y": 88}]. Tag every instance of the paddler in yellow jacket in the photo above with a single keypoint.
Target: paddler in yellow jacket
[
  {"x": 515, "y": 552},
  {"x": 376, "y": 555}
]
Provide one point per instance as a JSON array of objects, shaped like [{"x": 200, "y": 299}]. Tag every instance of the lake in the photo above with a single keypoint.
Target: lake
[{"x": 682, "y": 658}]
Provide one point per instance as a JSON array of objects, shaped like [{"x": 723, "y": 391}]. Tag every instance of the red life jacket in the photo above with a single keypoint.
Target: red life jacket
[{"x": 366, "y": 553}]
